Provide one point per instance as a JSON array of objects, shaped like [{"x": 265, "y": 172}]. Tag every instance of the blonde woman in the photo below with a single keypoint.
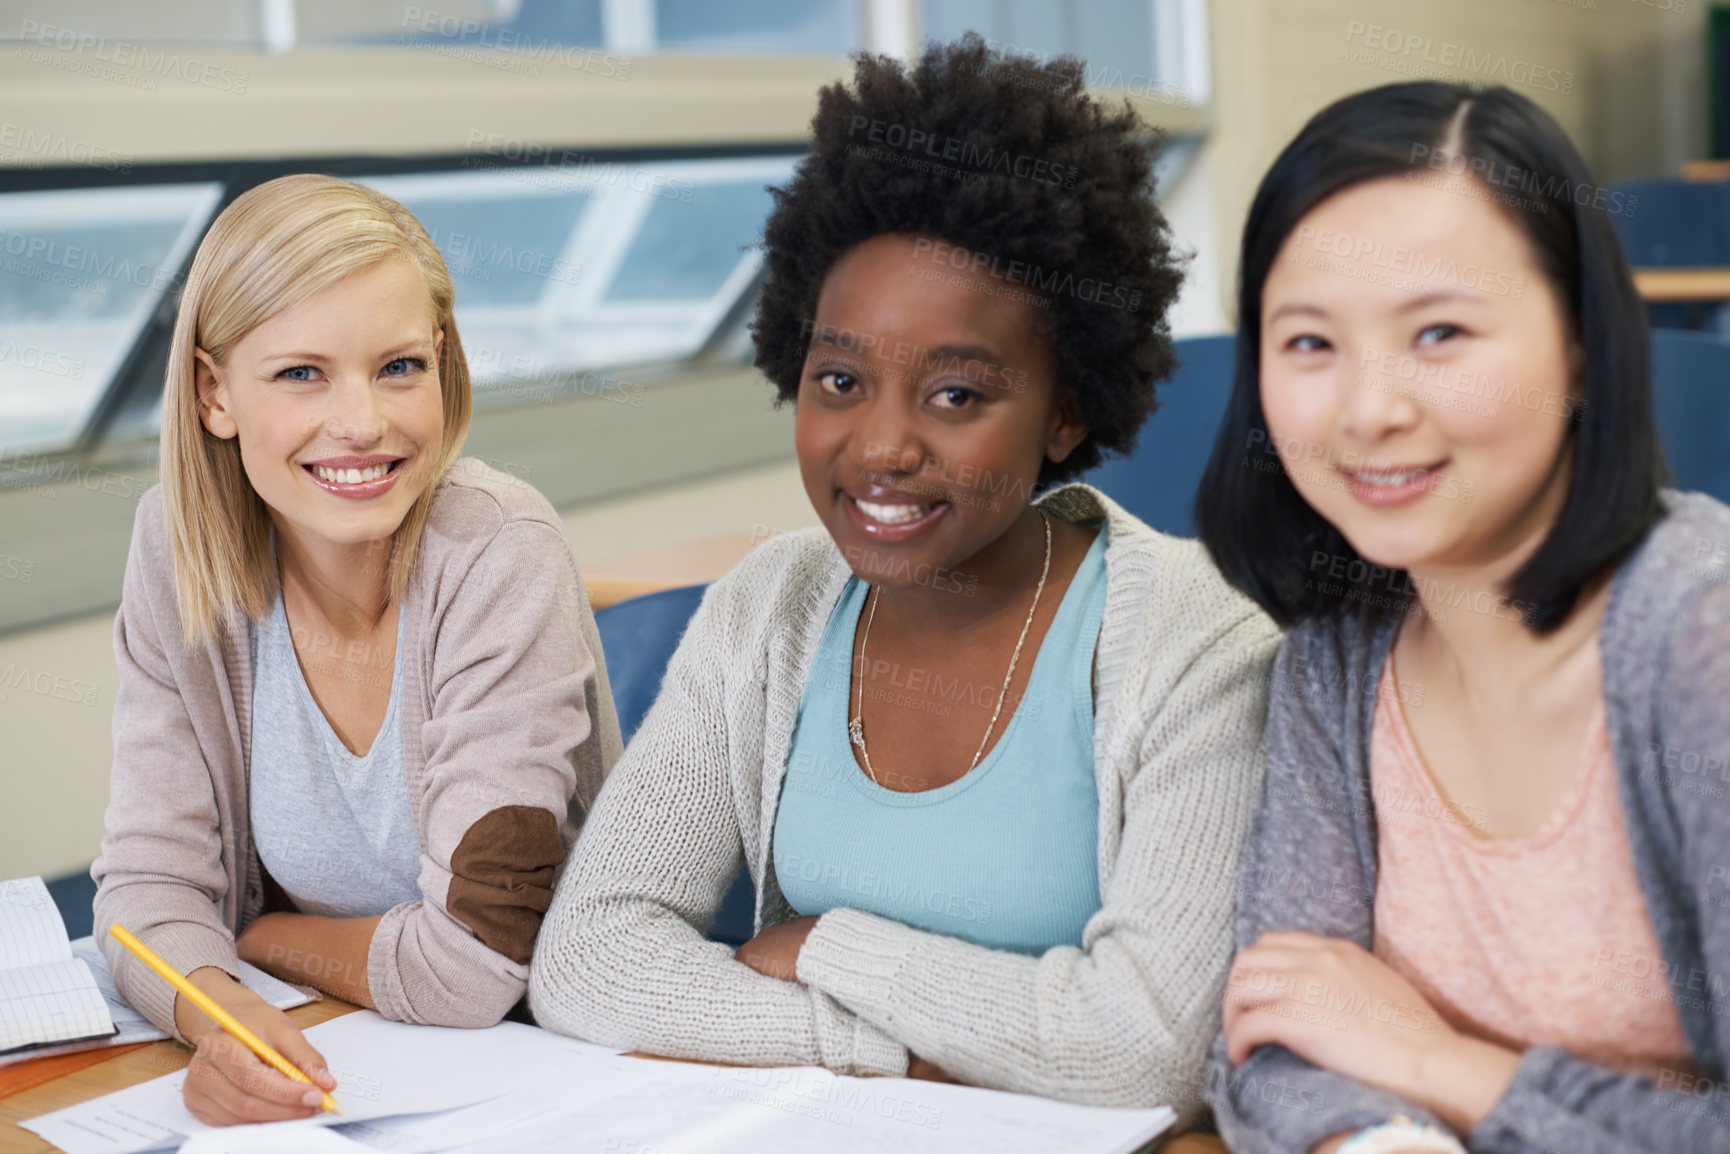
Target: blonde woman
[{"x": 361, "y": 704}]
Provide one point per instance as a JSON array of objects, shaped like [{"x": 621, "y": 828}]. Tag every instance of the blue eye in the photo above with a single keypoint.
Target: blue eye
[
  {"x": 297, "y": 373},
  {"x": 403, "y": 366}
]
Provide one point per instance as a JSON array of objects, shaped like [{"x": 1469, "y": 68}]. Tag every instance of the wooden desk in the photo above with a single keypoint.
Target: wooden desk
[
  {"x": 1683, "y": 284},
  {"x": 1705, "y": 171},
  {"x": 1192, "y": 1144},
  {"x": 688, "y": 563},
  {"x": 75, "y": 1078}
]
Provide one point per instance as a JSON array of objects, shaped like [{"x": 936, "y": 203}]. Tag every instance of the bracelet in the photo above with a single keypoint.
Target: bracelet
[{"x": 1401, "y": 1133}]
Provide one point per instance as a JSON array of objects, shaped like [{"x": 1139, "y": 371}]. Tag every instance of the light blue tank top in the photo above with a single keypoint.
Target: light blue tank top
[
  {"x": 1004, "y": 857},
  {"x": 333, "y": 829}
]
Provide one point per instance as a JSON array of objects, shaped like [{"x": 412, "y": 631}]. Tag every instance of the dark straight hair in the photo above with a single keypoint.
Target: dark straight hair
[{"x": 1262, "y": 534}]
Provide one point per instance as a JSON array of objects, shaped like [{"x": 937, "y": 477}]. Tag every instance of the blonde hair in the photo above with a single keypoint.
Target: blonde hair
[{"x": 275, "y": 246}]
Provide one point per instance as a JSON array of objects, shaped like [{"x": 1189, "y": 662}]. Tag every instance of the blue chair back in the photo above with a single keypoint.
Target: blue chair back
[
  {"x": 75, "y": 897},
  {"x": 1674, "y": 223},
  {"x": 638, "y": 638},
  {"x": 1158, "y": 482},
  {"x": 1691, "y": 392}
]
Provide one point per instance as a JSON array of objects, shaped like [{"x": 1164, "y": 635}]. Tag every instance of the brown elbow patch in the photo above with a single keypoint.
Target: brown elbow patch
[{"x": 502, "y": 877}]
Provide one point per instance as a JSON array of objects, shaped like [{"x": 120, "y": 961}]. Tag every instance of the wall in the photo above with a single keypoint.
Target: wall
[{"x": 1634, "y": 70}]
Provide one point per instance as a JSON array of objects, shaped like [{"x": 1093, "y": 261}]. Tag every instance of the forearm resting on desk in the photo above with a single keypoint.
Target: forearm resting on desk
[{"x": 329, "y": 954}]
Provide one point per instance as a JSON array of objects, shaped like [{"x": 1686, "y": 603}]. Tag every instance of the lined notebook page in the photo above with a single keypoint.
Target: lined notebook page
[
  {"x": 130, "y": 1025},
  {"x": 55, "y": 1002},
  {"x": 31, "y": 932},
  {"x": 46, "y": 994}
]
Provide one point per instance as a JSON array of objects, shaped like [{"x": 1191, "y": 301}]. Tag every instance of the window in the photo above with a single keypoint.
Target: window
[
  {"x": 758, "y": 27},
  {"x": 81, "y": 271},
  {"x": 1112, "y": 36},
  {"x": 633, "y": 27},
  {"x": 237, "y": 22},
  {"x": 1154, "y": 48},
  {"x": 591, "y": 265}
]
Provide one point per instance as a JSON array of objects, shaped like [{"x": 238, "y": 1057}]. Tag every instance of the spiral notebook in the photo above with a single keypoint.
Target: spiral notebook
[{"x": 47, "y": 995}]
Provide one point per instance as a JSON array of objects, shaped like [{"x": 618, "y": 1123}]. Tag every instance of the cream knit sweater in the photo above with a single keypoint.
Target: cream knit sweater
[{"x": 1124, "y": 1020}]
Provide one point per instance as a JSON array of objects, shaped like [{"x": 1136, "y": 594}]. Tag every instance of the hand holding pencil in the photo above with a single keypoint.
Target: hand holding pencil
[{"x": 252, "y": 1064}]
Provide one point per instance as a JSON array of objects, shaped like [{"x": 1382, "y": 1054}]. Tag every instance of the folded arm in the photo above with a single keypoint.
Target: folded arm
[
  {"x": 1124, "y": 1020},
  {"x": 1557, "y": 1101},
  {"x": 1308, "y": 871},
  {"x": 328, "y": 954},
  {"x": 622, "y": 959},
  {"x": 510, "y": 676}
]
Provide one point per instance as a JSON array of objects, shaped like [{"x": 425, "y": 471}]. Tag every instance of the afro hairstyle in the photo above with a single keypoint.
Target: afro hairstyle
[{"x": 1030, "y": 169}]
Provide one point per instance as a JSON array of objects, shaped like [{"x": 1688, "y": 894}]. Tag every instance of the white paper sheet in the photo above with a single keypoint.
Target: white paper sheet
[
  {"x": 430, "y": 1133},
  {"x": 273, "y": 990},
  {"x": 274, "y": 1138},
  {"x": 515, "y": 1089},
  {"x": 382, "y": 1068},
  {"x": 667, "y": 1108}
]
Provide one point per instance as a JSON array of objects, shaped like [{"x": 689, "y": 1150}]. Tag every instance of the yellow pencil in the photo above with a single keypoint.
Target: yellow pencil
[{"x": 223, "y": 1018}]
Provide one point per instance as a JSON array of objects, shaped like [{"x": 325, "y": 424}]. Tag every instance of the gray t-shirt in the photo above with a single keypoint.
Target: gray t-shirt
[{"x": 334, "y": 829}]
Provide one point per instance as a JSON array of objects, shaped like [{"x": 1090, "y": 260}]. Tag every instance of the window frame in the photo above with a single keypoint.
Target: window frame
[
  {"x": 708, "y": 414},
  {"x": 138, "y": 380}
]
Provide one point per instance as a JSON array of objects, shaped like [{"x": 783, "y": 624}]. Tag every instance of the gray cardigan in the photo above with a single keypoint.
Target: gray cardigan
[{"x": 1310, "y": 861}]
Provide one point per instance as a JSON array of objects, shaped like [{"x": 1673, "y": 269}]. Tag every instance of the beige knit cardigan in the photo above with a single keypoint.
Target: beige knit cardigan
[
  {"x": 1125, "y": 1020},
  {"x": 507, "y": 732}
]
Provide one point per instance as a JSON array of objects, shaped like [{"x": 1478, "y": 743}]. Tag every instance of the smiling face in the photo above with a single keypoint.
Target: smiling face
[
  {"x": 1418, "y": 377},
  {"x": 337, "y": 406},
  {"x": 926, "y": 409}
]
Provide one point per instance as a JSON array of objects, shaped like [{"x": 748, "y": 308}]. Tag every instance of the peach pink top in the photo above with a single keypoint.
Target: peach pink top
[{"x": 1528, "y": 941}]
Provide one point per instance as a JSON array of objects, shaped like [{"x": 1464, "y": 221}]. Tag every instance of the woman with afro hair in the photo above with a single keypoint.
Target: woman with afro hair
[{"x": 988, "y": 744}]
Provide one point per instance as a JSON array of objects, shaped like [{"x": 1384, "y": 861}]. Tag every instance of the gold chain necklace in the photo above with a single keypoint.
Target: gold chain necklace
[{"x": 856, "y": 727}]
